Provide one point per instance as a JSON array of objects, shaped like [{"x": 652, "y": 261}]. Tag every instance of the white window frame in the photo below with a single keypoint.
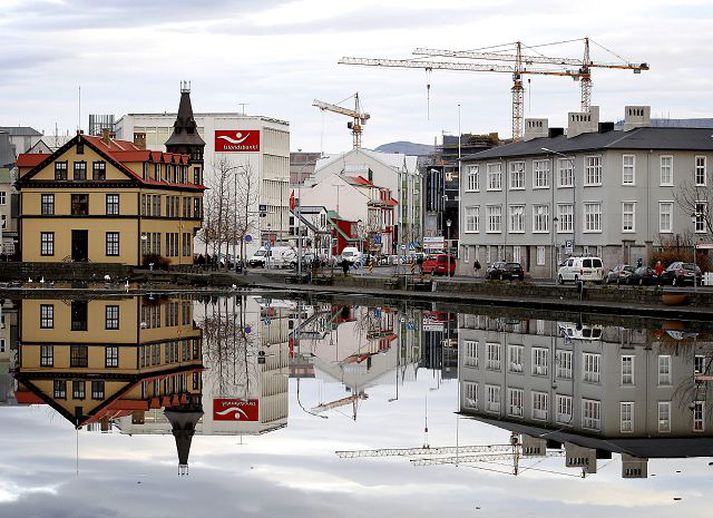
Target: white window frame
[
  {"x": 470, "y": 395},
  {"x": 494, "y": 176},
  {"x": 471, "y": 353},
  {"x": 492, "y": 399},
  {"x": 628, "y": 168},
  {"x": 492, "y": 218},
  {"x": 565, "y": 217},
  {"x": 591, "y": 367},
  {"x": 564, "y": 409},
  {"x": 700, "y": 224},
  {"x": 473, "y": 178},
  {"x": 626, "y": 417},
  {"x": 595, "y": 217},
  {"x": 592, "y": 170},
  {"x": 493, "y": 356},
  {"x": 515, "y": 364},
  {"x": 669, "y": 204},
  {"x": 520, "y": 227},
  {"x": 541, "y": 174},
  {"x": 591, "y": 414},
  {"x": 699, "y": 416},
  {"x": 539, "y": 218},
  {"x": 624, "y": 213},
  {"x": 563, "y": 360},
  {"x": 664, "y": 365},
  {"x": 540, "y": 361},
  {"x": 664, "y": 417},
  {"x": 516, "y": 254},
  {"x": 541, "y": 255},
  {"x": 516, "y": 397},
  {"x": 540, "y": 405},
  {"x": 700, "y": 170},
  {"x": 666, "y": 182},
  {"x": 516, "y": 171},
  {"x": 472, "y": 220},
  {"x": 566, "y": 171}
]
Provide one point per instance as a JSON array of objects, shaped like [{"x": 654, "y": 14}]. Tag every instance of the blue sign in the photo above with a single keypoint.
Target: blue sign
[
  {"x": 377, "y": 240},
  {"x": 377, "y": 312},
  {"x": 248, "y": 238},
  {"x": 248, "y": 330},
  {"x": 409, "y": 326}
]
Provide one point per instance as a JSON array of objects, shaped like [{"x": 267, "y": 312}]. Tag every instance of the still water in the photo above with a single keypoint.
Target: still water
[{"x": 258, "y": 405}]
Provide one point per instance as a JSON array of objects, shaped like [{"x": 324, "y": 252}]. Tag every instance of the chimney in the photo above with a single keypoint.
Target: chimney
[
  {"x": 634, "y": 467},
  {"x": 106, "y": 136},
  {"x": 140, "y": 140},
  {"x": 583, "y": 122},
  {"x": 535, "y": 128},
  {"x": 637, "y": 117}
]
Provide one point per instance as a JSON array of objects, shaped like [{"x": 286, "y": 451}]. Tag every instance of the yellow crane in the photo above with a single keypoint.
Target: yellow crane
[{"x": 359, "y": 117}]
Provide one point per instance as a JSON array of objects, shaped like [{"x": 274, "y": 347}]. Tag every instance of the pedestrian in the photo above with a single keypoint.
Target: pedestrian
[
  {"x": 345, "y": 266},
  {"x": 639, "y": 262},
  {"x": 419, "y": 261},
  {"x": 658, "y": 268},
  {"x": 476, "y": 267}
]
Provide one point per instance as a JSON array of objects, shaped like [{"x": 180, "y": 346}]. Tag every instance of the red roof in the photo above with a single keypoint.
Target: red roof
[
  {"x": 25, "y": 397},
  {"x": 30, "y": 159},
  {"x": 392, "y": 202}
]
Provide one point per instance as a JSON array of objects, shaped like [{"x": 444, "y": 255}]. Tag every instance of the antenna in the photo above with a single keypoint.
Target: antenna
[
  {"x": 242, "y": 107},
  {"x": 79, "y": 109}
]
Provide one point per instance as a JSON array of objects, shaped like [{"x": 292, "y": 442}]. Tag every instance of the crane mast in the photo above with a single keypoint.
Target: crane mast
[{"x": 359, "y": 118}]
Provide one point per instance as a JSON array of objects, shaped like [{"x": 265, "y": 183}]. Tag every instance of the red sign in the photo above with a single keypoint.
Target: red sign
[
  {"x": 236, "y": 410},
  {"x": 237, "y": 141}
]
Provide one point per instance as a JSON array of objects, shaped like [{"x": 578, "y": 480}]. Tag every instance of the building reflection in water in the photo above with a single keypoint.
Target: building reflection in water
[{"x": 589, "y": 390}]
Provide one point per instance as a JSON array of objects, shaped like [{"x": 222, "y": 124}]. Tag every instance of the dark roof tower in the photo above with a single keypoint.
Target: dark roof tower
[
  {"x": 183, "y": 421},
  {"x": 185, "y": 138}
]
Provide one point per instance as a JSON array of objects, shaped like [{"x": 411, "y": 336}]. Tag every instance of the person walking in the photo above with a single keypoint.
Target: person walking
[{"x": 476, "y": 267}]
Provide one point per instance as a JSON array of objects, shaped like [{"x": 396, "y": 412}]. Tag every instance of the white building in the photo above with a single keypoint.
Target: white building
[{"x": 259, "y": 144}]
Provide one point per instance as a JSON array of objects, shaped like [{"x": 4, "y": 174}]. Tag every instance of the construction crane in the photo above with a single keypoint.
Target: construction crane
[
  {"x": 519, "y": 67},
  {"x": 426, "y": 450},
  {"x": 352, "y": 399},
  {"x": 359, "y": 117}
]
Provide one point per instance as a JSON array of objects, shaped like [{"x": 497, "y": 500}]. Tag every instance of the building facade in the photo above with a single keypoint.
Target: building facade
[{"x": 595, "y": 191}]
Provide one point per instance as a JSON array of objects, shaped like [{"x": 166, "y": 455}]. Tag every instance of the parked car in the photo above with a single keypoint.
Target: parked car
[
  {"x": 258, "y": 258},
  {"x": 643, "y": 276},
  {"x": 619, "y": 274},
  {"x": 438, "y": 264},
  {"x": 581, "y": 269},
  {"x": 351, "y": 254},
  {"x": 502, "y": 270},
  {"x": 680, "y": 274}
]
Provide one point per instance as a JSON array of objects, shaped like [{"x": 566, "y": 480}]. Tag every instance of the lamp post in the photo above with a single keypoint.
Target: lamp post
[
  {"x": 574, "y": 192},
  {"x": 555, "y": 221},
  {"x": 448, "y": 245}
]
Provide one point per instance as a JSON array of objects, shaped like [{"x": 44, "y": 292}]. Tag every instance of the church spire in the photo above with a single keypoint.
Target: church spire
[
  {"x": 183, "y": 426},
  {"x": 185, "y": 138}
]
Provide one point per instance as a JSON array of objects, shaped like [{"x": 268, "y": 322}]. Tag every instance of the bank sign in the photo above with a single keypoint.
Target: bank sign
[
  {"x": 236, "y": 410},
  {"x": 237, "y": 141}
]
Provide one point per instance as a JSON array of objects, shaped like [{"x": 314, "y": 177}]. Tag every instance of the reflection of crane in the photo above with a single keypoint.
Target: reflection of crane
[
  {"x": 429, "y": 450},
  {"x": 518, "y": 68},
  {"x": 353, "y": 399},
  {"x": 359, "y": 117}
]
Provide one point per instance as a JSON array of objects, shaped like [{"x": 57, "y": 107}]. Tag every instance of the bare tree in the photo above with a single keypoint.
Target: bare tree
[
  {"x": 696, "y": 200},
  {"x": 247, "y": 195},
  {"x": 217, "y": 206}
]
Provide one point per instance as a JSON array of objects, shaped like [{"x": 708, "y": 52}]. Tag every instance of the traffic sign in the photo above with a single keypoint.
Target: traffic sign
[
  {"x": 261, "y": 360},
  {"x": 569, "y": 246},
  {"x": 248, "y": 238},
  {"x": 248, "y": 330},
  {"x": 377, "y": 239},
  {"x": 262, "y": 207}
]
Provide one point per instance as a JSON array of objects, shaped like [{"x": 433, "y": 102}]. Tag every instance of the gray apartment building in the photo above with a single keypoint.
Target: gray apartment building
[
  {"x": 593, "y": 190},
  {"x": 590, "y": 390}
]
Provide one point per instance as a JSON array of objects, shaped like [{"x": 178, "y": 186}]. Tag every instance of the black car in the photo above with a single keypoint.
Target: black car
[
  {"x": 502, "y": 270},
  {"x": 643, "y": 276},
  {"x": 619, "y": 274},
  {"x": 680, "y": 274}
]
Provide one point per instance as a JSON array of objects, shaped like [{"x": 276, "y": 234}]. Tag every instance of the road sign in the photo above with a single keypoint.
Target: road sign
[
  {"x": 248, "y": 330},
  {"x": 248, "y": 238},
  {"x": 704, "y": 246},
  {"x": 569, "y": 246},
  {"x": 262, "y": 208},
  {"x": 377, "y": 239},
  {"x": 409, "y": 326},
  {"x": 261, "y": 360},
  {"x": 266, "y": 244},
  {"x": 377, "y": 312},
  {"x": 263, "y": 214}
]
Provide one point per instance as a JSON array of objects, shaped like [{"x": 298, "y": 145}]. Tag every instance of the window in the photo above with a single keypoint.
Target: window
[
  {"x": 46, "y": 316},
  {"x": 593, "y": 217},
  {"x": 472, "y": 219},
  {"x": 517, "y": 175},
  {"x": 111, "y": 320},
  {"x": 99, "y": 170},
  {"x": 699, "y": 364},
  {"x": 493, "y": 400},
  {"x": 60, "y": 170},
  {"x": 540, "y": 218},
  {"x": 97, "y": 389},
  {"x": 541, "y": 174},
  {"x": 591, "y": 368},
  {"x": 46, "y": 243},
  {"x": 566, "y": 172},
  {"x": 698, "y": 416},
  {"x": 473, "y": 176},
  {"x": 492, "y": 356},
  {"x": 471, "y": 395},
  {"x": 78, "y": 356},
  {"x": 626, "y": 416},
  {"x": 494, "y": 218},
  {"x": 701, "y": 210},
  {"x": 664, "y": 416},
  {"x": 628, "y": 216},
  {"x": 591, "y": 414},
  {"x": 700, "y": 170},
  {"x": 564, "y": 409},
  {"x": 46, "y": 355},
  {"x": 515, "y": 397},
  {"x": 112, "y": 204},
  {"x": 565, "y": 218},
  {"x": 79, "y": 315},
  {"x": 3, "y": 198},
  {"x": 628, "y": 169},
  {"x": 47, "y": 206},
  {"x": 666, "y": 176},
  {"x": 540, "y": 405},
  {"x": 540, "y": 256},
  {"x": 593, "y": 170},
  {"x": 471, "y": 353},
  {"x": 563, "y": 359},
  {"x": 111, "y": 356},
  {"x": 80, "y": 170},
  {"x": 664, "y": 370},
  {"x": 80, "y": 204},
  {"x": 540, "y": 360},
  {"x": 112, "y": 243},
  {"x": 517, "y": 219},
  {"x": 515, "y": 358},
  {"x": 78, "y": 389},
  {"x": 495, "y": 177},
  {"x": 516, "y": 254},
  {"x": 60, "y": 389},
  {"x": 666, "y": 216}
]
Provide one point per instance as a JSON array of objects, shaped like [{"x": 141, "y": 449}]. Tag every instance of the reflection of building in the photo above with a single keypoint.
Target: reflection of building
[
  {"x": 98, "y": 360},
  {"x": 440, "y": 343},
  {"x": 596, "y": 390},
  {"x": 8, "y": 339}
]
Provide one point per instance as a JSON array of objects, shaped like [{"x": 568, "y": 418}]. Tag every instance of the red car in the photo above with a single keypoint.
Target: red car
[{"x": 438, "y": 264}]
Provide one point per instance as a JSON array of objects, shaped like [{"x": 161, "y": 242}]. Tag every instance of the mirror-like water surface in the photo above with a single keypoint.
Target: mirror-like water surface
[{"x": 157, "y": 405}]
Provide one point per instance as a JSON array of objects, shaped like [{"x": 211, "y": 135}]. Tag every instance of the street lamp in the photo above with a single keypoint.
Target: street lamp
[
  {"x": 574, "y": 191},
  {"x": 448, "y": 245}
]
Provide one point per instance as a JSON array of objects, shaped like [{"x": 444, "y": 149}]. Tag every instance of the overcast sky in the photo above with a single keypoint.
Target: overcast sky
[{"x": 277, "y": 56}]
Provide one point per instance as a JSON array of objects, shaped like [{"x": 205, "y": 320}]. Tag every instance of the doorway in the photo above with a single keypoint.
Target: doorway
[{"x": 80, "y": 246}]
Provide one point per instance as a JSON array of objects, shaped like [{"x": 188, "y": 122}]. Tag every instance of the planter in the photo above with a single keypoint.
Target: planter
[{"x": 674, "y": 299}]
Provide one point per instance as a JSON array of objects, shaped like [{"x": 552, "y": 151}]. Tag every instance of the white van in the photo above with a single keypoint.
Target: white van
[
  {"x": 581, "y": 268},
  {"x": 351, "y": 254},
  {"x": 279, "y": 256}
]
